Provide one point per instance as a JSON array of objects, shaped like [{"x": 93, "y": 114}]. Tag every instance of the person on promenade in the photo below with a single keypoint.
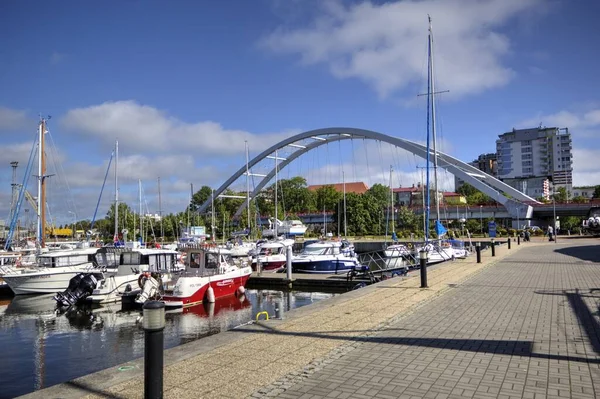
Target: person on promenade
[{"x": 550, "y": 233}]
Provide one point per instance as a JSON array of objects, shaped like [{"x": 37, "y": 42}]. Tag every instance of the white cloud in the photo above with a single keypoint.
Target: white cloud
[
  {"x": 585, "y": 167},
  {"x": 13, "y": 119},
  {"x": 584, "y": 124},
  {"x": 385, "y": 45},
  {"x": 147, "y": 129}
]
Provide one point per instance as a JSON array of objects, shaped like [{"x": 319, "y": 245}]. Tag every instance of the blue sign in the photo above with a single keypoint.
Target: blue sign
[{"x": 492, "y": 228}]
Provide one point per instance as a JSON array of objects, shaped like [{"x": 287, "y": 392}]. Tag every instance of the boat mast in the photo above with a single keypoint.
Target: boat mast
[
  {"x": 433, "y": 131},
  {"x": 160, "y": 213},
  {"x": 116, "y": 191},
  {"x": 247, "y": 185},
  {"x": 141, "y": 210},
  {"x": 41, "y": 211},
  {"x": 427, "y": 209},
  {"x": 212, "y": 221},
  {"x": 392, "y": 201},
  {"x": 276, "y": 177},
  {"x": 345, "y": 221}
]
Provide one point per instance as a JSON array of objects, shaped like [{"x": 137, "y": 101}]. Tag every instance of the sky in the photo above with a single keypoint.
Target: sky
[{"x": 184, "y": 85}]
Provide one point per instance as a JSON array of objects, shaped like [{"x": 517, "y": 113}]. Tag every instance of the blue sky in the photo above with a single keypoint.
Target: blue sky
[{"x": 183, "y": 84}]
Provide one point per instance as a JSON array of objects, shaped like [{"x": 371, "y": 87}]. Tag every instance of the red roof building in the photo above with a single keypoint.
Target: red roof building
[{"x": 353, "y": 187}]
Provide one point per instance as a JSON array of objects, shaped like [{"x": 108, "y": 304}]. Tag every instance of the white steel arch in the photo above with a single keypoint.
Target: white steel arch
[{"x": 516, "y": 203}]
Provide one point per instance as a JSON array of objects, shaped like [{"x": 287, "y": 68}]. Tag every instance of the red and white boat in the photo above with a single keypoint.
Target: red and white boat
[{"x": 210, "y": 274}]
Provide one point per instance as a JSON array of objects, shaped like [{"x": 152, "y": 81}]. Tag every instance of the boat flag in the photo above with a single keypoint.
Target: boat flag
[{"x": 440, "y": 229}]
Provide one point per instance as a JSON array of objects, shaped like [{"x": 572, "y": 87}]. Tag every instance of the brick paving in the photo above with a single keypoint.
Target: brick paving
[{"x": 527, "y": 327}]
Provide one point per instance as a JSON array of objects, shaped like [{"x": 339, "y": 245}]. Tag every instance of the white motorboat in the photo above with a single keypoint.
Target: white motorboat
[
  {"x": 287, "y": 228},
  {"x": 437, "y": 252},
  {"x": 326, "y": 257},
  {"x": 52, "y": 273},
  {"x": 398, "y": 251},
  {"x": 134, "y": 266},
  {"x": 116, "y": 272}
]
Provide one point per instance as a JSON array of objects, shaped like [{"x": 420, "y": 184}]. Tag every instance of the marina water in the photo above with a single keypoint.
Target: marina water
[{"x": 41, "y": 348}]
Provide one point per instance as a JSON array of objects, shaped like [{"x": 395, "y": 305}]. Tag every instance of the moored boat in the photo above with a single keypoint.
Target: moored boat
[
  {"x": 210, "y": 274},
  {"x": 326, "y": 257}
]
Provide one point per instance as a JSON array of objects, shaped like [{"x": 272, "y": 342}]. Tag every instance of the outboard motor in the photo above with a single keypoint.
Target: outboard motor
[
  {"x": 597, "y": 221},
  {"x": 149, "y": 289},
  {"x": 80, "y": 287}
]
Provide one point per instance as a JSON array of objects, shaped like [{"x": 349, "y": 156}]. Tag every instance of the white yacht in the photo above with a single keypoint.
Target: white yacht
[
  {"x": 128, "y": 277},
  {"x": 326, "y": 257},
  {"x": 52, "y": 272}
]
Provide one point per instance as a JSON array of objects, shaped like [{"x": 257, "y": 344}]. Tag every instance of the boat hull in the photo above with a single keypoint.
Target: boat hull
[
  {"x": 329, "y": 266},
  {"x": 192, "y": 290},
  {"x": 42, "y": 282},
  {"x": 269, "y": 265}
]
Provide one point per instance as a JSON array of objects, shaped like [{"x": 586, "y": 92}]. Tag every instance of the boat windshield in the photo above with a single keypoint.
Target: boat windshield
[
  {"x": 316, "y": 250},
  {"x": 270, "y": 251}
]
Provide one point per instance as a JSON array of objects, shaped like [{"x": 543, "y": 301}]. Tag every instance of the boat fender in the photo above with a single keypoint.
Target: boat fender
[
  {"x": 241, "y": 290},
  {"x": 210, "y": 294},
  {"x": 359, "y": 285},
  {"x": 395, "y": 274}
]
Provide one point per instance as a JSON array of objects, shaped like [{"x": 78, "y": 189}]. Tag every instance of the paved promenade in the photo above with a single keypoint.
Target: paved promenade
[{"x": 521, "y": 325}]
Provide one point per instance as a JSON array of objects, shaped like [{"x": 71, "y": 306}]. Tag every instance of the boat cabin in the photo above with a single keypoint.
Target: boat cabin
[
  {"x": 207, "y": 261},
  {"x": 67, "y": 258}
]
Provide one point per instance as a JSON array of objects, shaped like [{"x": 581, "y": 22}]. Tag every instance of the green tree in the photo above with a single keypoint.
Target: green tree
[
  {"x": 200, "y": 197},
  {"x": 580, "y": 200},
  {"x": 560, "y": 195},
  {"x": 597, "y": 192}
]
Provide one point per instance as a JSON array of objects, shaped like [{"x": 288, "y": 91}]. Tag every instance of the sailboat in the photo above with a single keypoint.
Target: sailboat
[
  {"x": 436, "y": 251},
  {"x": 395, "y": 250}
]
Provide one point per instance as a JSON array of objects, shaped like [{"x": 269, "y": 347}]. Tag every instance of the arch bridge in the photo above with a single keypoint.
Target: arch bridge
[{"x": 516, "y": 203}]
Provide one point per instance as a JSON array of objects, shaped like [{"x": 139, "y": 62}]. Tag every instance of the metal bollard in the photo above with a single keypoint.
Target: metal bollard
[
  {"x": 508, "y": 242},
  {"x": 493, "y": 248},
  {"x": 478, "y": 250},
  {"x": 288, "y": 262},
  {"x": 518, "y": 239},
  {"x": 423, "y": 259},
  {"x": 154, "y": 324}
]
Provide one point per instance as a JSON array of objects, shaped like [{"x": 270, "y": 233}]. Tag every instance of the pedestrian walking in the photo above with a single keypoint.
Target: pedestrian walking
[{"x": 550, "y": 233}]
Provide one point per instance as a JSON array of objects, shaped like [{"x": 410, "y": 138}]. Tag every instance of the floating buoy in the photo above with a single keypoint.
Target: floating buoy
[
  {"x": 241, "y": 290},
  {"x": 210, "y": 294}
]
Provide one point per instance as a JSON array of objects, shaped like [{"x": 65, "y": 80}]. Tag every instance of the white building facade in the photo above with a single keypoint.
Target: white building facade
[{"x": 529, "y": 158}]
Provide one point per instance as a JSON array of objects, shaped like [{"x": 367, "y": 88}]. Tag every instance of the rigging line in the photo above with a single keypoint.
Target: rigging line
[
  {"x": 59, "y": 168},
  {"x": 383, "y": 177},
  {"x": 101, "y": 190}
]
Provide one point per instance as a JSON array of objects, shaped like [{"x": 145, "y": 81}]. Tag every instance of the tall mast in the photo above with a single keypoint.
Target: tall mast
[
  {"x": 345, "y": 221},
  {"x": 116, "y": 190},
  {"x": 392, "y": 199},
  {"x": 160, "y": 212},
  {"x": 276, "y": 177},
  {"x": 247, "y": 185},
  {"x": 41, "y": 211},
  {"x": 212, "y": 221},
  {"x": 435, "y": 160},
  {"x": 428, "y": 200},
  {"x": 141, "y": 210}
]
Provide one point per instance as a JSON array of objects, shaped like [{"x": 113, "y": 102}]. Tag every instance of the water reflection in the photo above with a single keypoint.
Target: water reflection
[{"x": 42, "y": 347}]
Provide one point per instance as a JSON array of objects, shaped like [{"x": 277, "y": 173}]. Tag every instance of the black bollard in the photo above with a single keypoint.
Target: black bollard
[
  {"x": 508, "y": 242},
  {"x": 493, "y": 248},
  {"x": 478, "y": 250},
  {"x": 423, "y": 259},
  {"x": 154, "y": 324},
  {"x": 518, "y": 239}
]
